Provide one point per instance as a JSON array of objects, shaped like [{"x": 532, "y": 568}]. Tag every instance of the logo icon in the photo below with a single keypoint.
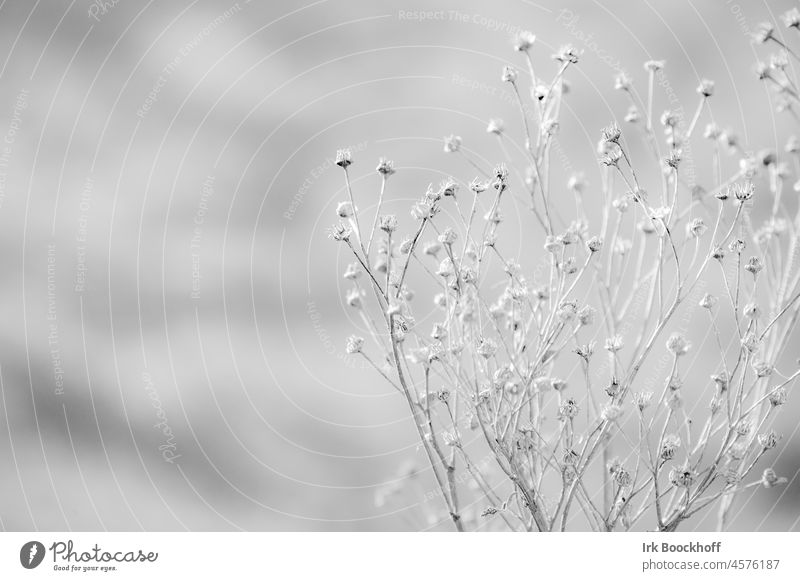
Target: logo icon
[{"x": 31, "y": 554}]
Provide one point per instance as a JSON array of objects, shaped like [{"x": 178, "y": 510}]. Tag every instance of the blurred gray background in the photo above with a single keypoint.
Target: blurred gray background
[{"x": 173, "y": 323}]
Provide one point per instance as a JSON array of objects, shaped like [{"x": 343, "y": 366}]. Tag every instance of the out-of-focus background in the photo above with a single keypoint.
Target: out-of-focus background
[{"x": 173, "y": 319}]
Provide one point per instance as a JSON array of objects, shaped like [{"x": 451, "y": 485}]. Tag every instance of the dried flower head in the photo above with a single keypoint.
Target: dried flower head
[
  {"x": 791, "y": 18},
  {"x": 495, "y": 126},
  {"x": 594, "y": 244},
  {"x": 642, "y": 399},
  {"x": 633, "y": 115},
  {"x": 568, "y": 409},
  {"x": 344, "y": 158},
  {"x": 770, "y": 479},
  {"x": 354, "y": 344},
  {"x": 682, "y": 477},
  {"x": 764, "y": 32},
  {"x": 768, "y": 440},
  {"x": 778, "y": 396},
  {"x": 486, "y": 348},
  {"x": 524, "y": 40},
  {"x": 586, "y": 315},
  {"x": 340, "y": 232},
  {"x": 452, "y": 143},
  {"x": 567, "y": 54},
  {"x": 388, "y": 223},
  {"x": 612, "y": 389},
  {"x": 678, "y": 344},
  {"x": 754, "y": 265},
  {"x": 669, "y": 446},
  {"x": 611, "y": 412},
  {"x": 509, "y": 74},
  {"x": 696, "y": 228},
  {"x": 612, "y": 133},
  {"x": 653, "y": 66},
  {"x": 706, "y": 88},
  {"x": 622, "y": 82},
  {"x": 614, "y": 343},
  {"x": 708, "y": 301},
  {"x": 385, "y": 167}
]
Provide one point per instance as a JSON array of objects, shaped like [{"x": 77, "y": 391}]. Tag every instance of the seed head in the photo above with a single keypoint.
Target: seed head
[
  {"x": 344, "y": 157},
  {"x": 448, "y": 236},
  {"x": 763, "y": 71},
  {"x": 406, "y": 245}
]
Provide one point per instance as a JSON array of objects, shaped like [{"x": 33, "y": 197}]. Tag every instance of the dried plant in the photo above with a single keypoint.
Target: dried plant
[{"x": 481, "y": 381}]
